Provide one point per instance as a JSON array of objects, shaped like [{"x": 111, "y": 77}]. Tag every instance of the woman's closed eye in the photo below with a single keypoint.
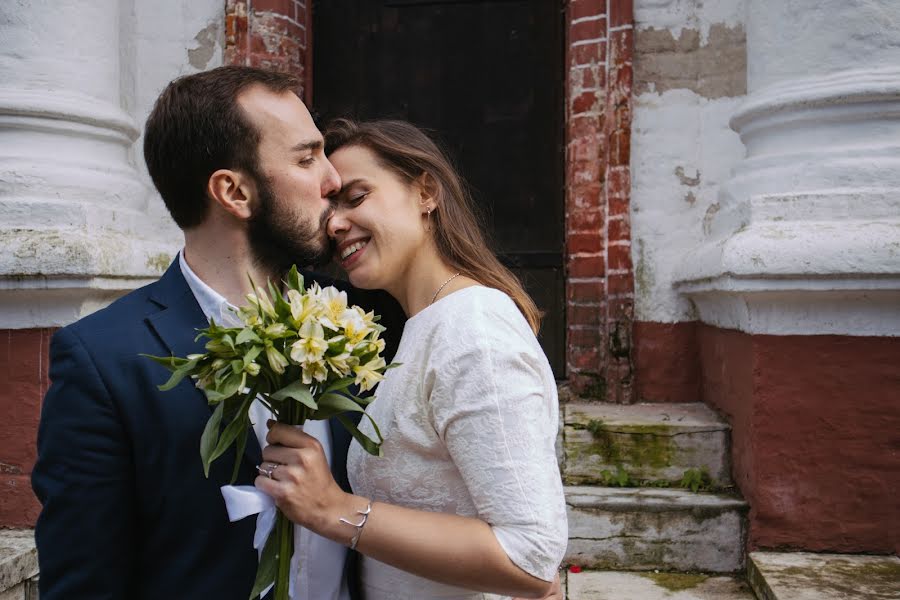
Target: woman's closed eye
[{"x": 356, "y": 199}]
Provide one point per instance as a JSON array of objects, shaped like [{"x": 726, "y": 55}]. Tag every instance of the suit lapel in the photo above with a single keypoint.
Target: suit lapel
[{"x": 176, "y": 325}]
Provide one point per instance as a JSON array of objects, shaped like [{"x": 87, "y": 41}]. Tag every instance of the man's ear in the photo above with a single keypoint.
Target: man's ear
[{"x": 233, "y": 191}]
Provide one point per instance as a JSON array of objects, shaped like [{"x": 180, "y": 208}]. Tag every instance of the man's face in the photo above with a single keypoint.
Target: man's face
[{"x": 293, "y": 181}]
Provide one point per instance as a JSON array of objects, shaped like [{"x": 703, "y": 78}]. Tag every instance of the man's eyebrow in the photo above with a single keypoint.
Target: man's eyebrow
[{"x": 309, "y": 145}]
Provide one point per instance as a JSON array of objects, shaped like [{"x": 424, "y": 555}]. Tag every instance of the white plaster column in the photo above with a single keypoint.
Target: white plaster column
[
  {"x": 805, "y": 237},
  {"x": 73, "y": 226}
]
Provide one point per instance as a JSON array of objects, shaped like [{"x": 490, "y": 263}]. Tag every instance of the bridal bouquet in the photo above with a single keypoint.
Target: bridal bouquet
[{"x": 298, "y": 353}]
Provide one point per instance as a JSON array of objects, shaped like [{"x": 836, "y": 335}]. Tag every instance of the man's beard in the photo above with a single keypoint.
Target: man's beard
[{"x": 279, "y": 239}]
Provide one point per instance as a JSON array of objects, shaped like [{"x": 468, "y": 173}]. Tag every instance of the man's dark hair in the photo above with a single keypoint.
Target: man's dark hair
[{"x": 197, "y": 127}]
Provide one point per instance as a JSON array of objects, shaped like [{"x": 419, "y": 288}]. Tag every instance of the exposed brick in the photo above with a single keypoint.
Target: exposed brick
[
  {"x": 583, "y": 127},
  {"x": 619, "y": 206},
  {"x": 586, "y": 291},
  {"x": 620, "y": 284},
  {"x": 621, "y": 308},
  {"x": 586, "y": 197},
  {"x": 619, "y": 257},
  {"x": 619, "y": 230},
  {"x": 578, "y": 9},
  {"x": 584, "y": 242},
  {"x": 282, "y": 7},
  {"x": 586, "y": 266},
  {"x": 586, "y": 358},
  {"x": 584, "y": 172},
  {"x": 587, "y": 54},
  {"x": 587, "y": 30},
  {"x": 621, "y": 12},
  {"x": 621, "y": 46},
  {"x": 581, "y": 337},
  {"x": 585, "y": 102},
  {"x": 584, "y": 315},
  {"x": 584, "y": 220},
  {"x": 620, "y": 148},
  {"x": 618, "y": 183}
]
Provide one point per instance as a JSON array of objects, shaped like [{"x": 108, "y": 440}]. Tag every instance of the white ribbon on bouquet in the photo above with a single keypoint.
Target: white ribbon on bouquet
[{"x": 241, "y": 501}]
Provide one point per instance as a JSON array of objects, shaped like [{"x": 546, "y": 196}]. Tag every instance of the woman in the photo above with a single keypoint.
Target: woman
[{"x": 468, "y": 495}]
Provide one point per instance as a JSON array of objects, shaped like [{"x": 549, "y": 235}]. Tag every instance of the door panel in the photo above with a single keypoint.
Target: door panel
[{"x": 486, "y": 78}]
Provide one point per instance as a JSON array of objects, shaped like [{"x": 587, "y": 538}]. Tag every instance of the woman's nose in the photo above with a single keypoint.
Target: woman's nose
[{"x": 337, "y": 223}]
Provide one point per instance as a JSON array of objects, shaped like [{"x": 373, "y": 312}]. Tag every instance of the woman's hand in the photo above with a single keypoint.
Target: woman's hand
[{"x": 302, "y": 485}]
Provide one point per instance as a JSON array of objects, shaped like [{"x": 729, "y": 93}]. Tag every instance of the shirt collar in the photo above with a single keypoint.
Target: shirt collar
[{"x": 212, "y": 303}]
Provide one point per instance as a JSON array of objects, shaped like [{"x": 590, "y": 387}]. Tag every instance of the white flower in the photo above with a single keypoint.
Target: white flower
[
  {"x": 311, "y": 346},
  {"x": 367, "y": 375}
]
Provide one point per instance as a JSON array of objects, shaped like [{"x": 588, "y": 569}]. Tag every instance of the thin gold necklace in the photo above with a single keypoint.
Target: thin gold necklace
[{"x": 443, "y": 285}]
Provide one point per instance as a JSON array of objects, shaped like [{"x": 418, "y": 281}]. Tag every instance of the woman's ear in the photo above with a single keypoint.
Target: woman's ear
[
  {"x": 428, "y": 188},
  {"x": 232, "y": 191}
]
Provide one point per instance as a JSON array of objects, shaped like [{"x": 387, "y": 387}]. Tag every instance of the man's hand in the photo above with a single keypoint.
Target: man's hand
[{"x": 555, "y": 592}]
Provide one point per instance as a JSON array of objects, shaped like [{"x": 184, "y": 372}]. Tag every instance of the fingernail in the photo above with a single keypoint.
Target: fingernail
[{"x": 270, "y": 423}]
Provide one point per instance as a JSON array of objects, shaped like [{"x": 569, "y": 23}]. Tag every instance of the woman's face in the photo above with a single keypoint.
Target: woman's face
[{"x": 378, "y": 221}]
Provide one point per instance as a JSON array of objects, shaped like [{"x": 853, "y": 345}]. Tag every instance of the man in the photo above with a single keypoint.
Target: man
[{"x": 127, "y": 511}]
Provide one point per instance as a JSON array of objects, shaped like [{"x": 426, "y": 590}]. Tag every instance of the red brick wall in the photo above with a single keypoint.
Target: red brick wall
[
  {"x": 23, "y": 371},
  {"x": 272, "y": 34},
  {"x": 600, "y": 274}
]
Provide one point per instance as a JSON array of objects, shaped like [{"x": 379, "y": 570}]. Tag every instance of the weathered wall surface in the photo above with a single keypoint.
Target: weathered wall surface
[
  {"x": 690, "y": 72},
  {"x": 80, "y": 222}
]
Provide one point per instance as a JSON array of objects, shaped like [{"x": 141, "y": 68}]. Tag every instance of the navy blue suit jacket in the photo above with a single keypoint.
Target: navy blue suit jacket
[{"x": 127, "y": 511}]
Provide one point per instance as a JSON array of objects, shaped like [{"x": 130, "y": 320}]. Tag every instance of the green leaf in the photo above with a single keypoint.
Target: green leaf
[
  {"x": 333, "y": 404},
  {"x": 169, "y": 362},
  {"x": 368, "y": 444},
  {"x": 239, "y": 456},
  {"x": 282, "y": 308},
  {"x": 340, "y": 384},
  {"x": 240, "y": 423},
  {"x": 294, "y": 279},
  {"x": 265, "y": 571},
  {"x": 210, "y": 438},
  {"x": 178, "y": 374},
  {"x": 246, "y": 335},
  {"x": 298, "y": 391},
  {"x": 251, "y": 354}
]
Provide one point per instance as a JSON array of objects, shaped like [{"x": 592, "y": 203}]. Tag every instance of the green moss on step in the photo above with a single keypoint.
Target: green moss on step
[{"x": 676, "y": 582}]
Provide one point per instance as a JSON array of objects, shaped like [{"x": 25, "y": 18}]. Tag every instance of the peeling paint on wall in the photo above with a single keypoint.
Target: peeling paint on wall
[
  {"x": 715, "y": 69},
  {"x": 207, "y": 39}
]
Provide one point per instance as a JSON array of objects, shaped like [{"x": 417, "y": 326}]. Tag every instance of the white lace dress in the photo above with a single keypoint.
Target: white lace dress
[{"x": 469, "y": 423}]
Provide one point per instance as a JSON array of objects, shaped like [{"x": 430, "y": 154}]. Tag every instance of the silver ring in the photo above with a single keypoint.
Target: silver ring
[{"x": 267, "y": 472}]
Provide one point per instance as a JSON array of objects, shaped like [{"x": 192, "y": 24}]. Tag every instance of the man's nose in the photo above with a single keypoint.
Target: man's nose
[{"x": 331, "y": 183}]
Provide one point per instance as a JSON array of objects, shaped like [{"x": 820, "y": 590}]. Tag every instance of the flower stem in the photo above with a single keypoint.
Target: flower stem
[{"x": 292, "y": 414}]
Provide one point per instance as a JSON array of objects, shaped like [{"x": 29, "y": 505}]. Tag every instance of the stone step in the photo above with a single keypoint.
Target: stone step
[
  {"x": 641, "y": 529},
  {"x": 657, "y": 443},
  {"x": 617, "y": 585},
  {"x": 18, "y": 565},
  {"x": 813, "y": 576}
]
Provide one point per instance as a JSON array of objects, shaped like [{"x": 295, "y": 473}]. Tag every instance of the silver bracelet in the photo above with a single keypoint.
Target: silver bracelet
[{"x": 359, "y": 526}]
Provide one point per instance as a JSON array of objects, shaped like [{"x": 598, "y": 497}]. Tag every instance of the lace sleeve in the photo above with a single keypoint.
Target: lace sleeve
[{"x": 494, "y": 405}]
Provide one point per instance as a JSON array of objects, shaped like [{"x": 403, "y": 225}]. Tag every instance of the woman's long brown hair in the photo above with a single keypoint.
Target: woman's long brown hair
[{"x": 458, "y": 234}]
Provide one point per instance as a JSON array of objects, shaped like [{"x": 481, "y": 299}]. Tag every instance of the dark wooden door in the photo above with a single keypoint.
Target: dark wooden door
[{"x": 487, "y": 78}]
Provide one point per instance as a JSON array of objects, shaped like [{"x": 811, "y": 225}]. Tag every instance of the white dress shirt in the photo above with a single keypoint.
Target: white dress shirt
[{"x": 321, "y": 560}]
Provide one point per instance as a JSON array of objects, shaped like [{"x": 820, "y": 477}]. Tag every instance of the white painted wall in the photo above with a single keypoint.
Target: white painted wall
[
  {"x": 79, "y": 221},
  {"x": 777, "y": 212},
  {"x": 807, "y": 238},
  {"x": 682, "y": 150}
]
